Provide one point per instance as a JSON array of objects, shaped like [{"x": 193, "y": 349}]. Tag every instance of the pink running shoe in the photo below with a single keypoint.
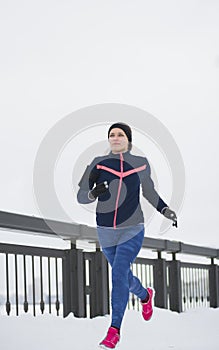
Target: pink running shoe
[
  {"x": 111, "y": 339},
  {"x": 147, "y": 308}
]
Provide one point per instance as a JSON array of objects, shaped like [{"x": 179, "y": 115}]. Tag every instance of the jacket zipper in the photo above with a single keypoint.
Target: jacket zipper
[{"x": 119, "y": 190}]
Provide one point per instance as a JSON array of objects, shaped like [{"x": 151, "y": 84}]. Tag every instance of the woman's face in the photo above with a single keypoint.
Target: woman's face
[{"x": 118, "y": 140}]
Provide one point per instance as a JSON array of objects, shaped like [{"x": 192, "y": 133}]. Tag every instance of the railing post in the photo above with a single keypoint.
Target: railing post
[
  {"x": 175, "y": 285},
  {"x": 214, "y": 284},
  {"x": 160, "y": 282},
  {"x": 74, "y": 297},
  {"x": 99, "y": 285}
]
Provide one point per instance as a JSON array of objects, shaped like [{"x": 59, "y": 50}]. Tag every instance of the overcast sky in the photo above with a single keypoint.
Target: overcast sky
[{"x": 161, "y": 56}]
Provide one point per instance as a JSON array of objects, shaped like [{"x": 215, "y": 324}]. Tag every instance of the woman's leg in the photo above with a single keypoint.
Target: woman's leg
[
  {"x": 109, "y": 253},
  {"x": 108, "y": 240},
  {"x": 125, "y": 254},
  {"x": 136, "y": 287}
]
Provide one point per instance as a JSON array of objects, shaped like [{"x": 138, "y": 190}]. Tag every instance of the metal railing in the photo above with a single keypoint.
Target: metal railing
[
  {"x": 72, "y": 280},
  {"x": 39, "y": 280},
  {"x": 179, "y": 285},
  {"x": 24, "y": 288},
  {"x": 195, "y": 285}
]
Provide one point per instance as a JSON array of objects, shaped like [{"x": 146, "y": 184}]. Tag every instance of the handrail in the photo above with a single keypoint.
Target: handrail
[{"x": 73, "y": 232}]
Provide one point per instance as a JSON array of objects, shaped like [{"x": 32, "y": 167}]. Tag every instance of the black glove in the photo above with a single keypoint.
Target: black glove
[
  {"x": 98, "y": 190},
  {"x": 170, "y": 214}
]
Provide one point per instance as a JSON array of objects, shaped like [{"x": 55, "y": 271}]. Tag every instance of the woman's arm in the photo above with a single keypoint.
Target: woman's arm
[
  {"x": 86, "y": 184},
  {"x": 153, "y": 197},
  {"x": 149, "y": 191}
]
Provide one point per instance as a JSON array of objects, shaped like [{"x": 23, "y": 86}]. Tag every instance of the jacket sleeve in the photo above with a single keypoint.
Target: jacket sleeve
[
  {"x": 87, "y": 182},
  {"x": 149, "y": 191}
]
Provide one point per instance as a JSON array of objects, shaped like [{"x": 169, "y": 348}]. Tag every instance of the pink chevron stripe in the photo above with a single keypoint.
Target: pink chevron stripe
[
  {"x": 103, "y": 167},
  {"x": 118, "y": 173},
  {"x": 129, "y": 172}
]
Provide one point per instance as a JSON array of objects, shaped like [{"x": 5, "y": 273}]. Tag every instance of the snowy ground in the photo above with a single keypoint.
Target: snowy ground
[{"x": 196, "y": 329}]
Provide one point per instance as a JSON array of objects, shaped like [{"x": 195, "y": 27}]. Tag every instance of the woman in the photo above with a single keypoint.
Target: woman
[{"x": 115, "y": 180}]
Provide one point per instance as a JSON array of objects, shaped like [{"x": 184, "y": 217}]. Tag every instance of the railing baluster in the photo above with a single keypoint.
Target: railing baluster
[
  {"x": 191, "y": 287},
  {"x": 187, "y": 287},
  {"x": 183, "y": 287},
  {"x": 199, "y": 287},
  {"x": 42, "y": 304},
  {"x": 49, "y": 285},
  {"x": 142, "y": 274},
  {"x": 16, "y": 284},
  {"x": 8, "y": 304},
  {"x": 138, "y": 275},
  {"x": 195, "y": 287},
  {"x": 149, "y": 275},
  {"x": 202, "y": 288},
  {"x": 206, "y": 287},
  {"x": 33, "y": 285},
  {"x": 25, "y": 285},
  {"x": 134, "y": 298},
  {"x": 132, "y": 295},
  {"x": 57, "y": 289}
]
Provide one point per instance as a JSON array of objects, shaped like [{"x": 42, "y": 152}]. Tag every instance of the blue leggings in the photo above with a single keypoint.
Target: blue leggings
[{"x": 120, "y": 257}]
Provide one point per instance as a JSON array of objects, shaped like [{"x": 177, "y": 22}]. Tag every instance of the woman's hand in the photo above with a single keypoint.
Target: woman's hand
[
  {"x": 170, "y": 214},
  {"x": 98, "y": 190}
]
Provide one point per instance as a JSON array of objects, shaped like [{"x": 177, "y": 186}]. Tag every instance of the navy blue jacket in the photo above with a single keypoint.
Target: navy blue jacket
[{"x": 124, "y": 172}]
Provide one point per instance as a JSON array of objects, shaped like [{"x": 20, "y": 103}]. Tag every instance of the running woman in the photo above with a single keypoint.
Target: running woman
[{"x": 115, "y": 180}]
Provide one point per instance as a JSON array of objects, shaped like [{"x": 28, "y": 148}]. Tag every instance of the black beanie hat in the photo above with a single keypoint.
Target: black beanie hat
[{"x": 127, "y": 130}]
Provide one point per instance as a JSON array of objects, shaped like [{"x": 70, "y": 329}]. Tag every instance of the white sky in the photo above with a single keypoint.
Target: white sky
[{"x": 162, "y": 57}]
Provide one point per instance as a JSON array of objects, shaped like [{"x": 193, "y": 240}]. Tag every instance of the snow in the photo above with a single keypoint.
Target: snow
[{"x": 195, "y": 329}]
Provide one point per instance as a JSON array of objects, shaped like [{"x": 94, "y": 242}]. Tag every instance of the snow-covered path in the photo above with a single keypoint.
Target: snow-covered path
[{"x": 196, "y": 329}]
